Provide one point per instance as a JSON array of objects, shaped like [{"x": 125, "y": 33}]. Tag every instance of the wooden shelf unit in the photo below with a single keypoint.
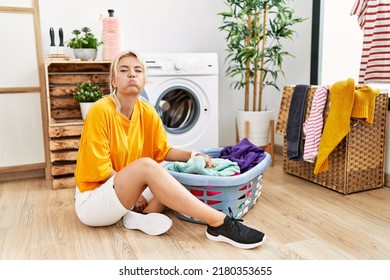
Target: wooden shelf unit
[{"x": 64, "y": 116}]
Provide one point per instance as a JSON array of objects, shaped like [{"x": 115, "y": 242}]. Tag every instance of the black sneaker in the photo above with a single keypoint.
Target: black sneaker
[{"x": 235, "y": 233}]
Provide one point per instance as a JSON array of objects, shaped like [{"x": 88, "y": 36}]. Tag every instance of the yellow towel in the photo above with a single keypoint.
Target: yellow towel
[
  {"x": 341, "y": 97},
  {"x": 346, "y": 102}
]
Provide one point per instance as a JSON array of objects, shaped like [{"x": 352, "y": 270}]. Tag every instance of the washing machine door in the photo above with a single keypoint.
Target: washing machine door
[
  {"x": 179, "y": 109},
  {"x": 184, "y": 110}
]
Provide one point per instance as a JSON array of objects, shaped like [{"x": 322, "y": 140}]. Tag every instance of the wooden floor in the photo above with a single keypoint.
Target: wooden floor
[{"x": 301, "y": 220}]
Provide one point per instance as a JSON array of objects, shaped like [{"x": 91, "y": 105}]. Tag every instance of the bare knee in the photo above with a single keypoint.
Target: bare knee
[
  {"x": 133, "y": 179},
  {"x": 147, "y": 165},
  {"x": 139, "y": 170}
]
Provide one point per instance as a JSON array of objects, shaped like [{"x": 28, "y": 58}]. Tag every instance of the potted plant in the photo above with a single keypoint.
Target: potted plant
[
  {"x": 255, "y": 33},
  {"x": 87, "y": 93},
  {"x": 84, "y": 44}
]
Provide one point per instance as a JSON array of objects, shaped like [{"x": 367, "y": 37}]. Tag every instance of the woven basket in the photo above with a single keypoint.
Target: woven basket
[
  {"x": 357, "y": 163},
  {"x": 239, "y": 192}
]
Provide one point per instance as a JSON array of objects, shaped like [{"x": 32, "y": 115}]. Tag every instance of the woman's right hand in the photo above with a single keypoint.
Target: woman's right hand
[{"x": 209, "y": 161}]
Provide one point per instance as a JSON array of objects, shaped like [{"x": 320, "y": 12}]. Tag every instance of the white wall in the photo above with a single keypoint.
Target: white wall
[
  {"x": 21, "y": 136},
  {"x": 341, "y": 42}
]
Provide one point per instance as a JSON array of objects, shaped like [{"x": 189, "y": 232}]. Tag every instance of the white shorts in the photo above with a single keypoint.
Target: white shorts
[{"x": 101, "y": 207}]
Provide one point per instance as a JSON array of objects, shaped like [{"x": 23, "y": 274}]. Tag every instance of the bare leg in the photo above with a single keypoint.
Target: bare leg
[{"x": 133, "y": 179}]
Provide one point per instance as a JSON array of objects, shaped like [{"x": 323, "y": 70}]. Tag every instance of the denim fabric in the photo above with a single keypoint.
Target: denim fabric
[{"x": 296, "y": 118}]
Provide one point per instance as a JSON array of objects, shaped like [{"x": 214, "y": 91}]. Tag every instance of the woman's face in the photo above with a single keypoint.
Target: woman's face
[{"x": 130, "y": 79}]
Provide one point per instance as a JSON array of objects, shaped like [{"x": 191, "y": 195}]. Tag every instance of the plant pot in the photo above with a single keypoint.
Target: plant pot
[
  {"x": 84, "y": 107},
  {"x": 259, "y": 122},
  {"x": 85, "y": 54}
]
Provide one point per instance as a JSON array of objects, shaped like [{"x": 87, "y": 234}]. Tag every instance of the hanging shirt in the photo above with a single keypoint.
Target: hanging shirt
[
  {"x": 312, "y": 128},
  {"x": 373, "y": 17}
]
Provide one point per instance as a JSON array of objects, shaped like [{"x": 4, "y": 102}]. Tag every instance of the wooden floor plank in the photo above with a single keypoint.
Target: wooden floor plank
[{"x": 302, "y": 221}]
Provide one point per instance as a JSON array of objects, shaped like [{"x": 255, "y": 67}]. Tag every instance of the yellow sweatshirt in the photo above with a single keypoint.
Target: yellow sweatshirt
[
  {"x": 364, "y": 104},
  {"x": 346, "y": 102},
  {"x": 110, "y": 141}
]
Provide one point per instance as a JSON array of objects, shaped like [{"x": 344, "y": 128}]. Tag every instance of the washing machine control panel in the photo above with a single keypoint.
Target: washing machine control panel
[{"x": 181, "y": 64}]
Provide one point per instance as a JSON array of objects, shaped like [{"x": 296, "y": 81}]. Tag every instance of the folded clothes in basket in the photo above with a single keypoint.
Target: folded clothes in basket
[
  {"x": 245, "y": 153},
  {"x": 196, "y": 165},
  {"x": 239, "y": 192}
]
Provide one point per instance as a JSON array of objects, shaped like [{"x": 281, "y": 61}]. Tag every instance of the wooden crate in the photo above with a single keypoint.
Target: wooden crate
[
  {"x": 64, "y": 144},
  {"x": 356, "y": 164},
  {"x": 64, "y": 115},
  {"x": 62, "y": 80}
]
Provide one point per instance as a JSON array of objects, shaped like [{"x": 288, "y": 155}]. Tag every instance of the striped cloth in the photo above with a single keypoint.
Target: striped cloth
[
  {"x": 373, "y": 17},
  {"x": 312, "y": 128}
]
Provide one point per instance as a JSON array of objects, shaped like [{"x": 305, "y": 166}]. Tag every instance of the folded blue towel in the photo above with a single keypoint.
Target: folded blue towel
[{"x": 196, "y": 165}]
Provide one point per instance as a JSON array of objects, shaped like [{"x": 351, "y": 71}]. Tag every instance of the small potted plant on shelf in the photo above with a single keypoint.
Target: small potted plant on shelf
[
  {"x": 87, "y": 93},
  {"x": 84, "y": 44}
]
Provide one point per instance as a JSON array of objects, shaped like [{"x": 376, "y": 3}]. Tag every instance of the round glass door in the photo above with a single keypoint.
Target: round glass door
[{"x": 178, "y": 108}]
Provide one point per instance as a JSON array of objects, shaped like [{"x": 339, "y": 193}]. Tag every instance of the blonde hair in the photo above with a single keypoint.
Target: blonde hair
[{"x": 114, "y": 73}]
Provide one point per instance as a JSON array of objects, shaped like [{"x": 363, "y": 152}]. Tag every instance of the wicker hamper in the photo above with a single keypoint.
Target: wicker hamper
[
  {"x": 357, "y": 163},
  {"x": 239, "y": 192}
]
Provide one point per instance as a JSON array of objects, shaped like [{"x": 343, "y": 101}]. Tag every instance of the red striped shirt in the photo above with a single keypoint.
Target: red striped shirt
[
  {"x": 373, "y": 17},
  {"x": 312, "y": 128}
]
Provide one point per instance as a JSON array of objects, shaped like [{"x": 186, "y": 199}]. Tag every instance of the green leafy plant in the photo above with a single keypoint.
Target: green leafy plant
[
  {"x": 84, "y": 39},
  {"x": 255, "y": 33},
  {"x": 88, "y": 92}
]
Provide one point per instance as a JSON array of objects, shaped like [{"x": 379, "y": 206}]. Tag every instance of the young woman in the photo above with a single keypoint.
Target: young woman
[{"x": 122, "y": 143}]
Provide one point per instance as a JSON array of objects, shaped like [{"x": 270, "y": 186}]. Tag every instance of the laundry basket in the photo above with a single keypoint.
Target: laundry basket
[
  {"x": 238, "y": 192},
  {"x": 357, "y": 163}
]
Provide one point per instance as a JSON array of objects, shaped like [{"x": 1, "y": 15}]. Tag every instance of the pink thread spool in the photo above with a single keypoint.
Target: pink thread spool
[{"x": 111, "y": 36}]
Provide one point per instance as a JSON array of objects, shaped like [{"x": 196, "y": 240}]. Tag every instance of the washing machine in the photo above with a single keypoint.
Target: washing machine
[{"x": 183, "y": 87}]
